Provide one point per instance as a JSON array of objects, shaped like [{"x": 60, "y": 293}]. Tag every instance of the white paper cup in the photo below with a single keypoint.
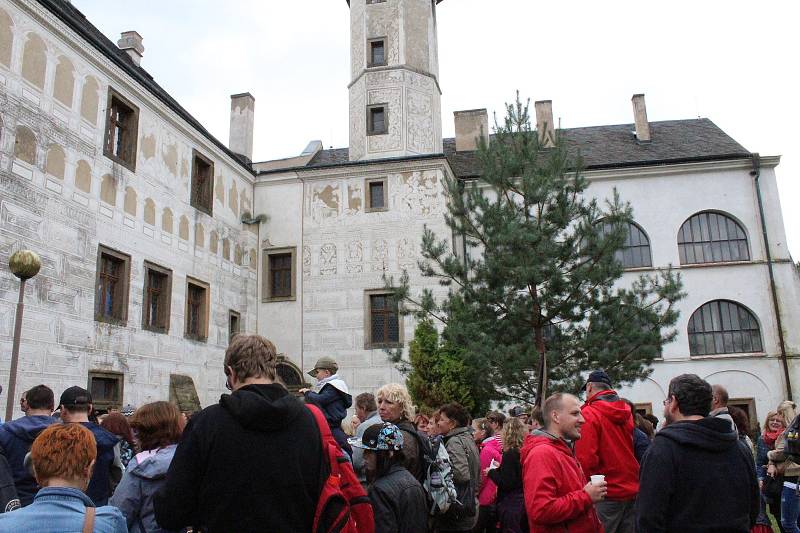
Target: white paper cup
[{"x": 597, "y": 479}]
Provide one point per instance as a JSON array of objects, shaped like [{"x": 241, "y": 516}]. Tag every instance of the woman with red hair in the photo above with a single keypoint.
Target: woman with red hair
[
  {"x": 158, "y": 426},
  {"x": 63, "y": 457}
]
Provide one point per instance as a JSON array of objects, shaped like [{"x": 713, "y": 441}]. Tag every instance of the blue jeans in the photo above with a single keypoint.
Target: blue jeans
[{"x": 790, "y": 510}]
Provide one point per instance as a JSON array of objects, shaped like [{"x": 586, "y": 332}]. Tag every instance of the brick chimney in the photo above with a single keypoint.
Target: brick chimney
[
  {"x": 544, "y": 123},
  {"x": 640, "y": 118},
  {"x": 131, "y": 42},
  {"x": 470, "y": 126},
  {"x": 240, "y": 139}
]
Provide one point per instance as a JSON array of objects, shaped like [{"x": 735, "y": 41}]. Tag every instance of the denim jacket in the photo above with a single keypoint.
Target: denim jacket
[{"x": 61, "y": 510}]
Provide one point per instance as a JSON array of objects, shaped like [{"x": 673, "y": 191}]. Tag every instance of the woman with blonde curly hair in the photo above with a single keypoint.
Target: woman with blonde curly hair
[
  {"x": 395, "y": 406},
  {"x": 780, "y": 463},
  {"x": 508, "y": 478}
]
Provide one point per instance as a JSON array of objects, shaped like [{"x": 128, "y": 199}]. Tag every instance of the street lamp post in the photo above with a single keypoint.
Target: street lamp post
[{"x": 24, "y": 264}]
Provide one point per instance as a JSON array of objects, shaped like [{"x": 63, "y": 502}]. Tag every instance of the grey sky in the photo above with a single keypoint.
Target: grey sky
[{"x": 734, "y": 62}]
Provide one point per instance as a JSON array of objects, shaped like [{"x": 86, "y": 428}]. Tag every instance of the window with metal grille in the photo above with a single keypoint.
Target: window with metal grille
[
  {"x": 376, "y": 195},
  {"x": 635, "y": 251},
  {"x": 376, "y": 120},
  {"x": 157, "y": 297},
  {"x": 106, "y": 389},
  {"x": 196, "y": 310},
  {"x": 202, "y": 190},
  {"x": 122, "y": 124},
  {"x": 722, "y": 326},
  {"x": 377, "y": 52},
  {"x": 712, "y": 238},
  {"x": 384, "y": 321},
  {"x": 111, "y": 286}
]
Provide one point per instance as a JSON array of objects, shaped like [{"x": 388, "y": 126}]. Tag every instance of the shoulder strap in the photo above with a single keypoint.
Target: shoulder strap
[
  {"x": 88, "y": 522},
  {"x": 328, "y": 451}
]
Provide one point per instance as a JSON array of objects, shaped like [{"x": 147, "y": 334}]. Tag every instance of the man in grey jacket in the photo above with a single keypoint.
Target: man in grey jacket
[{"x": 367, "y": 412}]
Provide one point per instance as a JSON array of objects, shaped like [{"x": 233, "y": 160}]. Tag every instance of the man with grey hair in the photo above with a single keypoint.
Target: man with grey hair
[{"x": 557, "y": 496}]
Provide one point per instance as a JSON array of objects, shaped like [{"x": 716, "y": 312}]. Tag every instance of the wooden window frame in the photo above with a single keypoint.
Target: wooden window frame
[
  {"x": 368, "y": 195},
  {"x": 234, "y": 315},
  {"x": 368, "y": 343},
  {"x": 132, "y": 139},
  {"x": 205, "y": 311},
  {"x": 370, "y": 127},
  {"x": 121, "y": 317},
  {"x": 370, "y": 42},
  {"x": 166, "y": 303},
  {"x": 104, "y": 405},
  {"x": 193, "y": 200},
  {"x": 266, "y": 292},
  {"x": 755, "y": 335}
]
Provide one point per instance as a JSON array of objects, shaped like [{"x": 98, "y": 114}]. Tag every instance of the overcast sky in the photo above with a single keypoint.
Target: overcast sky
[{"x": 735, "y": 62}]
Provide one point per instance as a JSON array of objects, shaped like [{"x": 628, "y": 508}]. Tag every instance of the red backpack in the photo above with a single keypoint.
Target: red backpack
[{"x": 343, "y": 506}]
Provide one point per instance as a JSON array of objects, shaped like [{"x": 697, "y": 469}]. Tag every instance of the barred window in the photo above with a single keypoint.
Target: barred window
[
  {"x": 712, "y": 238},
  {"x": 384, "y": 325},
  {"x": 722, "y": 326},
  {"x": 635, "y": 252}
]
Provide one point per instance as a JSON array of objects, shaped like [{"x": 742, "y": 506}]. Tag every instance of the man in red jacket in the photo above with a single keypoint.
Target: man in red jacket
[
  {"x": 606, "y": 447},
  {"x": 557, "y": 497}
]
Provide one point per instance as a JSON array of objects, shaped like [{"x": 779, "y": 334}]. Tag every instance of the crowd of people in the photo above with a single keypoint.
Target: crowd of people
[{"x": 265, "y": 460}]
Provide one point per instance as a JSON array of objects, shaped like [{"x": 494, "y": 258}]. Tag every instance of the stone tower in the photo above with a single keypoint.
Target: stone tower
[{"x": 395, "y": 98}]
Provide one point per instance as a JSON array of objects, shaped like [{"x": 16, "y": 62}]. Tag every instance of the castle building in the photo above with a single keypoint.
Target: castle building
[{"x": 159, "y": 242}]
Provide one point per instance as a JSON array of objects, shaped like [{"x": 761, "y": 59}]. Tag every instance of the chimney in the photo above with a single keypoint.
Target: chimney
[
  {"x": 544, "y": 123},
  {"x": 131, "y": 42},
  {"x": 242, "y": 118},
  {"x": 471, "y": 125},
  {"x": 640, "y": 118}
]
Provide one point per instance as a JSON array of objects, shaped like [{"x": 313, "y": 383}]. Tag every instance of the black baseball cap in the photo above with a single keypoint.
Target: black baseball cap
[
  {"x": 599, "y": 376},
  {"x": 75, "y": 396}
]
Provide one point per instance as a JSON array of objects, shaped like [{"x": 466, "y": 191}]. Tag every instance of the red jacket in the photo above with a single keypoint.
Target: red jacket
[
  {"x": 553, "y": 483},
  {"x": 606, "y": 444}
]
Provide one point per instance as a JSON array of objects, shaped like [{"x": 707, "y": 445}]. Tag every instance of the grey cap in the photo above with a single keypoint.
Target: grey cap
[{"x": 324, "y": 363}]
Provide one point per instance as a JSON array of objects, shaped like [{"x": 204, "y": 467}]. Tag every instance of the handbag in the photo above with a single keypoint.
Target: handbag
[{"x": 772, "y": 489}]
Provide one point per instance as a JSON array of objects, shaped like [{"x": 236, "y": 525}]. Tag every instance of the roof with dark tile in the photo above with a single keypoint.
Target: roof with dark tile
[
  {"x": 78, "y": 22},
  {"x": 673, "y": 141}
]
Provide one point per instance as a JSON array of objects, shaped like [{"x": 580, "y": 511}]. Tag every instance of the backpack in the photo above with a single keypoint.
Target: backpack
[
  {"x": 793, "y": 440},
  {"x": 343, "y": 506},
  {"x": 439, "y": 485}
]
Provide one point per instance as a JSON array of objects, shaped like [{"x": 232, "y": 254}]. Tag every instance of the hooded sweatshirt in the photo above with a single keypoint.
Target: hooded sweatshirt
[
  {"x": 99, "y": 489},
  {"x": 553, "y": 484},
  {"x": 146, "y": 473},
  {"x": 697, "y": 477},
  {"x": 16, "y": 438},
  {"x": 606, "y": 444},
  {"x": 253, "y": 462}
]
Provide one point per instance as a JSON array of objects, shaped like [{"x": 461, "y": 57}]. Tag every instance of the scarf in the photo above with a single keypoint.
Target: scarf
[{"x": 770, "y": 436}]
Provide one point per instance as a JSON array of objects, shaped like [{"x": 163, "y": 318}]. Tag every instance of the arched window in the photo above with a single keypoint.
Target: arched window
[
  {"x": 64, "y": 86},
  {"x": 712, "y": 238},
  {"x": 25, "y": 145},
  {"x": 722, "y": 326},
  {"x": 289, "y": 374},
  {"x": 635, "y": 252},
  {"x": 6, "y": 38},
  {"x": 34, "y": 60}
]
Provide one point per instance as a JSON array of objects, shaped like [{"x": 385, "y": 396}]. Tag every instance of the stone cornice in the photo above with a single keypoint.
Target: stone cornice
[
  {"x": 366, "y": 71},
  {"x": 679, "y": 168}
]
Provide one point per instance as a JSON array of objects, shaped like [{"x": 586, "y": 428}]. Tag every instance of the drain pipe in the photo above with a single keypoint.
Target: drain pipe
[{"x": 756, "y": 173}]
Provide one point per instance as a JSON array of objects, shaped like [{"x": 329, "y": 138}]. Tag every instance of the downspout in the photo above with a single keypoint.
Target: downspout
[{"x": 756, "y": 173}]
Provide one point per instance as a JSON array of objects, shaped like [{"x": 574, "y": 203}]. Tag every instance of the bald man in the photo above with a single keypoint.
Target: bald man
[{"x": 719, "y": 405}]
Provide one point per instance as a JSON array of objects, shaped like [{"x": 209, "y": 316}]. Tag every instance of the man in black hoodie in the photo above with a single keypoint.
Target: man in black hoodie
[
  {"x": 251, "y": 463},
  {"x": 696, "y": 476}
]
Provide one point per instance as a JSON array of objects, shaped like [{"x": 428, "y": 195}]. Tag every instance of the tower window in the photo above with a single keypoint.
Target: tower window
[
  {"x": 376, "y": 195},
  {"x": 377, "y": 52},
  {"x": 376, "y": 120}
]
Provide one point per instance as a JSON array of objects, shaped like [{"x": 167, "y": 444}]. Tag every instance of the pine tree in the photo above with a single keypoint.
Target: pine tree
[{"x": 541, "y": 273}]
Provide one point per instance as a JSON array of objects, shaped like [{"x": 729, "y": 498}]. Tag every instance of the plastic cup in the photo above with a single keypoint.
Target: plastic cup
[{"x": 597, "y": 479}]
